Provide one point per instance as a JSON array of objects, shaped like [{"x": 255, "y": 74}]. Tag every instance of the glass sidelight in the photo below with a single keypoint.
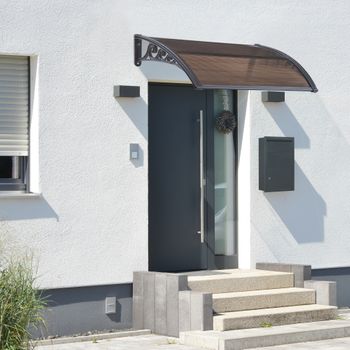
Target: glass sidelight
[{"x": 224, "y": 180}]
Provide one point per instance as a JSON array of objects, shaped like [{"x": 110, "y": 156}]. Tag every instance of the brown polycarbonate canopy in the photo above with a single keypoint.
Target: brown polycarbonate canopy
[{"x": 227, "y": 66}]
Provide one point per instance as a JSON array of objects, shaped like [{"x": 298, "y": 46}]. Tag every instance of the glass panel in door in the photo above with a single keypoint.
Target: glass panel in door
[{"x": 224, "y": 183}]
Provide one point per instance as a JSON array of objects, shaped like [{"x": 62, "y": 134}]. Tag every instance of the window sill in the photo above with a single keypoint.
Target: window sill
[{"x": 8, "y": 194}]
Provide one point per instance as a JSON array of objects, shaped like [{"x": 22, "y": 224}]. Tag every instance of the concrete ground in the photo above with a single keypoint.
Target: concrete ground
[
  {"x": 143, "y": 342},
  {"x": 154, "y": 342}
]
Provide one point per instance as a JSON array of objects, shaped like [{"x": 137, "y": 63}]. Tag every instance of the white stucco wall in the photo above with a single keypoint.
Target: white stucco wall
[
  {"x": 312, "y": 224},
  {"x": 90, "y": 225}
]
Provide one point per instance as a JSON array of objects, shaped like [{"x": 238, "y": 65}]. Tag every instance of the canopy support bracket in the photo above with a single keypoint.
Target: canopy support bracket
[
  {"x": 157, "y": 52},
  {"x": 154, "y": 52}
]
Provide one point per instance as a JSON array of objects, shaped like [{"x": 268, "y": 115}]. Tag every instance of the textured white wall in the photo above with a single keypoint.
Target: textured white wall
[
  {"x": 312, "y": 224},
  {"x": 90, "y": 226}
]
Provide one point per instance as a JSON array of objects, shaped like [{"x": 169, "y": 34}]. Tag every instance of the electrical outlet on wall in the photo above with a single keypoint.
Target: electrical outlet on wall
[
  {"x": 111, "y": 305},
  {"x": 134, "y": 151}
]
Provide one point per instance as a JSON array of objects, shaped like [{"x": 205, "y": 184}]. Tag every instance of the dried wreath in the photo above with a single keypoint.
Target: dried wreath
[{"x": 226, "y": 122}]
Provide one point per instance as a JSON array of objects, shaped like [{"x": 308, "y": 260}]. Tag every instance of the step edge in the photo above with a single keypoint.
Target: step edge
[
  {"x": 226, "y": 324},
  {"x": 251, "y": 293},
  {"x": 216, "y": 308},
  {"x": 280, "y": 329},
  {"x": 212, "y": 278},
  {"x": 272, "y": 340},
  {"x": 326, "y": 332},
  {"x": 287, "y": 309}
]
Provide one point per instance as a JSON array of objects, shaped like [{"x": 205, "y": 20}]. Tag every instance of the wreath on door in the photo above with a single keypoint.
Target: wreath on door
[{"x": 226, "y": 122}]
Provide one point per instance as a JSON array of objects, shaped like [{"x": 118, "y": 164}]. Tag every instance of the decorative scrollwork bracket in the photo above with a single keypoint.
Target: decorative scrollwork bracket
[
  {"x": 153, "y": 53},
  {"x": 156, "y": 51}
]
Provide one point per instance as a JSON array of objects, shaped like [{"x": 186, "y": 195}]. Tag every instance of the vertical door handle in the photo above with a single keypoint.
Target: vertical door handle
[{"x": 201, "y": 175}]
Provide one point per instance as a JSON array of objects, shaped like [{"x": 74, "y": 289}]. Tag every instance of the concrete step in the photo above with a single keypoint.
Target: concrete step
[
  {"x": 237, "y": 280},
  {"x": 262, "y": 299},
  {"x": 273, "y": 316},
  {"x": 259, "y": 337}
]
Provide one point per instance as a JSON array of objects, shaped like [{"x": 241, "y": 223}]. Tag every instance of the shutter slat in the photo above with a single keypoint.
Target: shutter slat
[
  {"x": 13, "y": 124},
  {"x": 13, "y": 114},
  {"x": 9, "y": 72},
  {"x": 13, "y": 95},
  {"x": 10, "y": 119},
  {"x": 14, "y": 151},
  {"x": 8, "y": 101},
  {"x": 16, "y": 67},
  {"x": 14, "y": 85},
  {"x": 21, "y": 104},
  {"x": 15, "y": 143},
  {"x": 15, "y": 92},
  {"x": 14, "y": 59},
  {"x": 12, "y": 79},
  {"x": 14, "y": 136},
  {"x": 14, "y": 130},
  {"x": 14, "y": 106},
  {"x": 14, "y": 88}
]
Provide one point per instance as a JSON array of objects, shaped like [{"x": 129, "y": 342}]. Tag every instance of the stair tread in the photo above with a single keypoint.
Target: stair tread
[
  {"x": 234, "y": 274},
  {"x": 274, "y": 311},
  {"x": 253, "y": 293},
  {"x": 237, "y": 280},
  {"x": 274, "y": 330}
]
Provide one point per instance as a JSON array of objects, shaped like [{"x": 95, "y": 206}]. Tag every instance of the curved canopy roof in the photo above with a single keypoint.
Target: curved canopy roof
[{"x": 212, "y": 65}]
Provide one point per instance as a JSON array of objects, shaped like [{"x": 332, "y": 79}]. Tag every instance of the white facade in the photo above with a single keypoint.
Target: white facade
[{"x": 89, "y": 226}]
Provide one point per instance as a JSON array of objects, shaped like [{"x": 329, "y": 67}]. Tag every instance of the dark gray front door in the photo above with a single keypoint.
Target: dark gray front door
[{"x": 174, "y": 178}]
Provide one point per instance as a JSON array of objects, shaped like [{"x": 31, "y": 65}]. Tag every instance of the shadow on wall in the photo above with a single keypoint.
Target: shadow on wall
[
  {"x": 30, "y": 208},
  {"x": 137, "y": 110},
  {"x": 288, "y": 124},
  {"x": 304, "y": 219},
  {"x": 242, "y": 110}
]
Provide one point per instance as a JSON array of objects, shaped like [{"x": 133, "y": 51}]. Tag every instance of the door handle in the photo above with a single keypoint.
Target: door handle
[{"x": 201, "y": 176}]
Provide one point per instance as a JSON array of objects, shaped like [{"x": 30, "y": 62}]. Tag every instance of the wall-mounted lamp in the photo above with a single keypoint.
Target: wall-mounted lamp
[
  {"x": 272, "y": 96},
  {"x": 126, "y": 91}
]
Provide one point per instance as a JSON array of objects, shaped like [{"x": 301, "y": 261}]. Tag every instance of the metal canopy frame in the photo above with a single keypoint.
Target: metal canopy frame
[{"x": 152, "y": 49}]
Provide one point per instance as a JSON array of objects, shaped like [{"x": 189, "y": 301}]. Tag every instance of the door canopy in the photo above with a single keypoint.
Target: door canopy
[{"x": 227, "y": 66}]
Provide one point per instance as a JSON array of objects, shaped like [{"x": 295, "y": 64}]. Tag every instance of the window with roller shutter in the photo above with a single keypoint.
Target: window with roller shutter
[{"x": 14, "y": 122}]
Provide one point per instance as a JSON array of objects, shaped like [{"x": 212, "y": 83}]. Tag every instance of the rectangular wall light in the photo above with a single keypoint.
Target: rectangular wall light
[
  {"x": 126, "y": 91},
  {"x": 272, "y": 96}
]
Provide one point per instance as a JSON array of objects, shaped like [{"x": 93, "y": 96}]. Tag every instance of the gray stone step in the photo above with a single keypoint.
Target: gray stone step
[
  {"x": 259, "y": 337},
  {"x": 238, "y": 280},
  {"x": 261, "y": 299},
  {"x": 273, "y": 316}
]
